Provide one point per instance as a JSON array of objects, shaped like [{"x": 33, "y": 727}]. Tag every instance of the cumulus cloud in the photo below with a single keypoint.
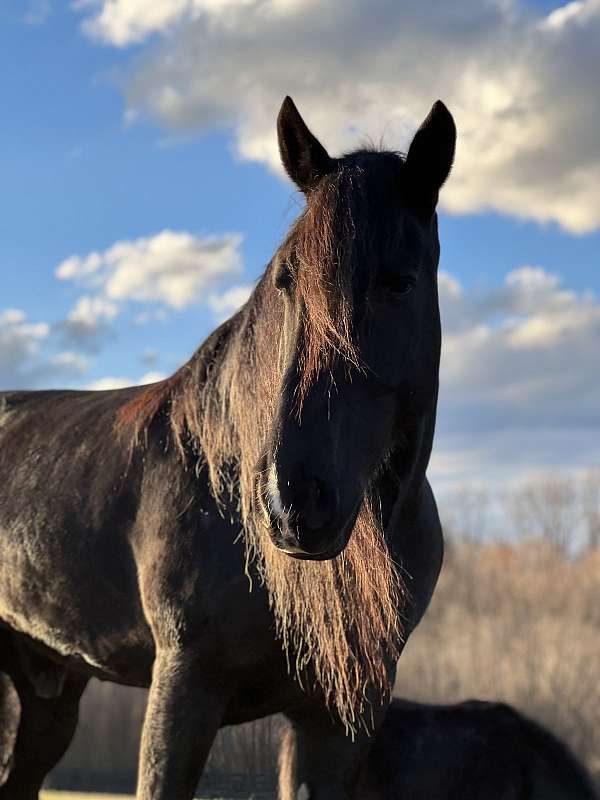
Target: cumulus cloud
[
  {"x": 519, "y": 378},
  {"x": 161, "y": 273},
  {"x": 122, "y": 23},
  {"x": 88, "y": 322},
  {"x": 522, "y": 84},
  {"x": 111, "y": 382},
  {"x": 158, "y": 275},
  {"x": 228, "y": 302},
  {"x": 19, "y": 342},
  {"x": 24, "y": 359},
  {"x": 173, "y": 268},
  {"x": 525, "y": 352},
  {"x": 508, "y": 457}
]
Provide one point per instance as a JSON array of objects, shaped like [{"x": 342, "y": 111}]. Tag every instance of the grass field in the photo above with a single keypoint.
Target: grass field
[{"x": 82, "y": 796}]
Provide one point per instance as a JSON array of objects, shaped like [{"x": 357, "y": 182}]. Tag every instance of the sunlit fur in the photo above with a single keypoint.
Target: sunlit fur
[
  {"x": 319, "y": 254},
  {"x": 339, "y": 619}
]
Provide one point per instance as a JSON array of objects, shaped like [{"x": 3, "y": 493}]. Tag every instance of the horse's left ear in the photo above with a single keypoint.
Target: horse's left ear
[
  {"x": 303, "y": 156},
  {"x": 430, "y": 158}
]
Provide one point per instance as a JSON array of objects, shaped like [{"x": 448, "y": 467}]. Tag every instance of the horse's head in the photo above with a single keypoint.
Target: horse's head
[{"x": 360, "y": 343}]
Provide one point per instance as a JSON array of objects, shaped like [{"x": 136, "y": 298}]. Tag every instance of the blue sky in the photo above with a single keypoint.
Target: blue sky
[
  {"x": 122, "y": 120},
  {"x": 76, "y": 178}
]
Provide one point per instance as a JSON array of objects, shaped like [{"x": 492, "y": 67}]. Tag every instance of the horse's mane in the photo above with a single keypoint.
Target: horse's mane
[{"x": 338, "y": 618}]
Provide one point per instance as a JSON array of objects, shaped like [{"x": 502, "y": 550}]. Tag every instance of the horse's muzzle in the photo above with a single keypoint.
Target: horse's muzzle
[{"x": 304, "y": 520}]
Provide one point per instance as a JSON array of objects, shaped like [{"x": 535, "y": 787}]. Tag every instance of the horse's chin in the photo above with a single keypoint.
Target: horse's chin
[
  {"x": 286, "y": 540},
  {"x": 300, "y": 555}
]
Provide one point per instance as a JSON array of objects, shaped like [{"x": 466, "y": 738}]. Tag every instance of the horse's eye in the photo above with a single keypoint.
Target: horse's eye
[
  {"x": 398, "y": 285},
  {"x": 282, "y": 274},
  {"x": 283, "y": 282}
]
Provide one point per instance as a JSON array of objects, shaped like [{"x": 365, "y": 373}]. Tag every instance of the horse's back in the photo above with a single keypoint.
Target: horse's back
[
  {"x": 64, "y": 470},
  {"x": 542, "y": 765},
  {"x": 551, "y": 770},
  {"x": 427, "y": 756},
  {"x": 472, "y": 751}
]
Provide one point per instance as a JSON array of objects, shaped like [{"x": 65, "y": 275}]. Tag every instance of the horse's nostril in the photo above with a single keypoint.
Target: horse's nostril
[
  {"x": 303, "y": 507},
  {"x": 318, "y": 492},
  {"x": 318, "y": 505}
]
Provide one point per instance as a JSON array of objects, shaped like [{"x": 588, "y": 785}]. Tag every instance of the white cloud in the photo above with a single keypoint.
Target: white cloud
[
  {"x": 154, "y": 376},
  {"x": 503, "y": 460},
  {"x": 171, "y": 268},
  {"x": 519, "y": 379},
  {"x": 161, "y": 274},
  {"x": 24, "y": 360},
  {"x": 111, "y": 382},
  {"x": 523, "y": 86},
  {"x": 228, "y": 302},
  {"x": 19, "y": 341},
  {"x": 526, "y": 348},
  {"x": 88, "y": 310},
  {"x": 88, "y": 322},
  {"x": 125, "y": 22},
  {"x": 67, "y": 361}
]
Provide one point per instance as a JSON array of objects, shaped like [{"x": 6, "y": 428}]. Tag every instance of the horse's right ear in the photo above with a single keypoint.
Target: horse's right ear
[{"x": 303, "y": 156}]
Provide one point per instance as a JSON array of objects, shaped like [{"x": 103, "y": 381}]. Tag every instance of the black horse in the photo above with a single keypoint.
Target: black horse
[
  {"x": 470, "y": 751},
  {"x": 256, "y": 533}
]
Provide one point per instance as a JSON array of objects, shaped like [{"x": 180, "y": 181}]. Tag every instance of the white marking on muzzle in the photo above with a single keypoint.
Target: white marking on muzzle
[
  {"x": 273, "y": 489},
  {"x": 303, "y": 792}
]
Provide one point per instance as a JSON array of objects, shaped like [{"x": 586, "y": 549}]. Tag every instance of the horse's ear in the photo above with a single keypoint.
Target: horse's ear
[
  {"x": 303, "y": 156},
  {"x": 430, "y": 158}
]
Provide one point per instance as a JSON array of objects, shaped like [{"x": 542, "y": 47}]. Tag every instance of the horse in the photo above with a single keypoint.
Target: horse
[
  {"x": 474, "y": 750},
  {"x": 255, "y": 533}
]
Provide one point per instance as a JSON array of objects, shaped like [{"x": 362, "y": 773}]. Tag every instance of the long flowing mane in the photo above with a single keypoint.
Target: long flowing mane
[{"x": 337, "y": 619}]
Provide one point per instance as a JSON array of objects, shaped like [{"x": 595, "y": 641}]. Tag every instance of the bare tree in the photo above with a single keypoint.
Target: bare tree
[
  {"x": 546, "y": 508},
  {"x": 466, "y": 513},
  {"x": 590, "y": 503}
]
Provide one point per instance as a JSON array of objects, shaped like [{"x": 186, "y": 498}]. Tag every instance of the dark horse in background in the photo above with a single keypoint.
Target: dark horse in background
[
  {"x": 256, "y": 533},
  {"x": 469, "y": 751}
]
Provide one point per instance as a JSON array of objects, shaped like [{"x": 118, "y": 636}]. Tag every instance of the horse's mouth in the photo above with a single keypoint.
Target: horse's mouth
[
  {"x": 285, "y": 537},
  {"x": 296, "y": 552}
]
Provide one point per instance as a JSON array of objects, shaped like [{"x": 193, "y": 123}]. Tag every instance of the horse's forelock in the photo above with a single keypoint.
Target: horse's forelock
[{"x": 320, "y": 252}]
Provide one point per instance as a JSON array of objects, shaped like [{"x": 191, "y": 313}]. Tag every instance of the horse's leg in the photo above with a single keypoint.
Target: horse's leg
[
  {"x": 182, "y": 719},
  {"x": 10, "y": 712},
  {"x": 46, "y": 728},
  {"x": 318, "y": 761}
]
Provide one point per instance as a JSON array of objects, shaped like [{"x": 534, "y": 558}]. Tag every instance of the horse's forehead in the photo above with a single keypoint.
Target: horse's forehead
[
  {"x": 375, "y": 171},
  {"x": 372, "y": 192}
]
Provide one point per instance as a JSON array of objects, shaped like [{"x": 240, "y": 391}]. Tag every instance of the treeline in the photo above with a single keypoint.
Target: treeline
[{"x": 515, "y": 617}]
